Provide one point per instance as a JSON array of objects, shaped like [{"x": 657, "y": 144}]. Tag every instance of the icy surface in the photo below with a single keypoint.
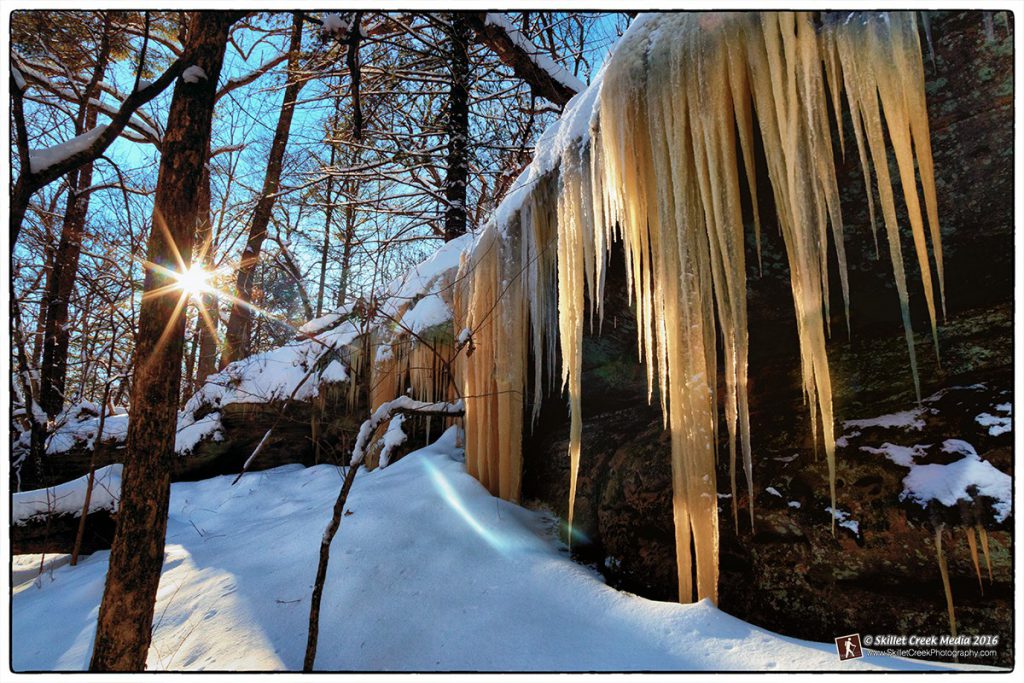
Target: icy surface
[
  {"x": 429, "y": 572},
  {"x": 69, "y": 497}
]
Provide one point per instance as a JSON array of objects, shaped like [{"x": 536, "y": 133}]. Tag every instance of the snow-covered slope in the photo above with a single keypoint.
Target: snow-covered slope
[{"x": 428, "y": 572}]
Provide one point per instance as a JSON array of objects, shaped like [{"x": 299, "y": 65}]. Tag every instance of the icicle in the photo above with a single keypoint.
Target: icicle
[
  {"x": 983, "y": 535},
  {"x": 972, "y": 543},
  {"x": 944, "y": 571},
  {"x": 674, "y": 120},
  {"x": 927, "y": 24}
]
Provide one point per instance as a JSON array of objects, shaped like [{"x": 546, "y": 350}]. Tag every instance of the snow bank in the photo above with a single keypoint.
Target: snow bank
[
  {"x": 428, "y": 573},
  {"x": 69, "y": 497},
  {"x": 270, "y": 376},
  {"x": 78, "y": 424}
]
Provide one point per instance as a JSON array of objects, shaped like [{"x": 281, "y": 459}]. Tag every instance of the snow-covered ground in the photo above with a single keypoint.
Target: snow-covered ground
[{"x": 428, "y": 572}]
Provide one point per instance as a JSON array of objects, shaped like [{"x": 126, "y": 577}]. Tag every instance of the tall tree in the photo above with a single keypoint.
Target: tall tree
[
  {"x": 124, "y": 627},
  {"x": 60, "y": 282},
  {"x": 209, "y": 315},
  {"x": 239, "y": 329},
  {"x": 457, "y": 172}
]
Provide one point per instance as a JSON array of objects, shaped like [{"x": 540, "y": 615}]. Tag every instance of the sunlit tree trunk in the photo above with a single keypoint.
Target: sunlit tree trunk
[{"x": 124, "y": 628}]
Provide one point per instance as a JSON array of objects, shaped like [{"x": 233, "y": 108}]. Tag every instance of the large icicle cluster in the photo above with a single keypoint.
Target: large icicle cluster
[{"x": 663, "y": 167}]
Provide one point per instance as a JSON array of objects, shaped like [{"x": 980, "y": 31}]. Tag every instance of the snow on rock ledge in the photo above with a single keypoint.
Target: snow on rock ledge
[{"x": 68, "y": 498}]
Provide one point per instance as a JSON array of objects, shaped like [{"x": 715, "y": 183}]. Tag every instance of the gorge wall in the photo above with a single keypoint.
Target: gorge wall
[{"x": 879, "y": 575}]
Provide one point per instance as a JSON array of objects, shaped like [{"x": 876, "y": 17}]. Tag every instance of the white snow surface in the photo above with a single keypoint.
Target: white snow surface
[
  {"x": 843, "y": 519},
  {"x": 965, "y": 479},
  {"x": 193, "y": 74},
  {"x": 429, "y": 572},
  {"x": 424, "y": 278},
  {"x": 41, "y": 159},
  {"x": 901, "y": 455},
  {"x": 335, "y": 25},
  {"x": 429, "y": 311},
  {"x": 273, "y": 375},
  {"x": 573, "y": 125},
  {"x": 906, "y": 419},
  {"x": 956, "y": 481},
  {"x": 69, "y": 497},
  {"x": 997, "y": 424},
  {"x": 78, "y": 424}
]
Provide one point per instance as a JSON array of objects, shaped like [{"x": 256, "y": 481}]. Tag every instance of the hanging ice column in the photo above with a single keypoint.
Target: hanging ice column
[{"x": 670, "y": 141}]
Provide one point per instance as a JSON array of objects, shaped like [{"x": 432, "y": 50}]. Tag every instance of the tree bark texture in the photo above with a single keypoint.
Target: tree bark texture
[
  {"x": 124, "y": 628},
  {"x": 457, "y": 129}
]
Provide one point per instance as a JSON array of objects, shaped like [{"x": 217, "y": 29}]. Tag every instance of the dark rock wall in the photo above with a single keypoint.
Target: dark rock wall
[{"x": 791, "y": 575}]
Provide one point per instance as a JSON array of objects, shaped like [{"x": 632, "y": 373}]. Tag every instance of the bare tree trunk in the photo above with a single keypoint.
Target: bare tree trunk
[
  {"x": 346, "y": 256},
  {"x": 189, "y": 384},
  {"x": 239, "y": 330},
  {"x": 208, "y": 302},
  {"x": 328, "y": 213},
  {"x": 124, "y": 628},
  {"x": 313, "y": 634},
  {"x": 61, "y": 281},
  {"x": 457, "y": 129},
  {"x": 349, "y": 238}
]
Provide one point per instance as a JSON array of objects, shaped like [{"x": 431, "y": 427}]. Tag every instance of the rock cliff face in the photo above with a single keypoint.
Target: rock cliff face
[{"x": 790, "y": 574}]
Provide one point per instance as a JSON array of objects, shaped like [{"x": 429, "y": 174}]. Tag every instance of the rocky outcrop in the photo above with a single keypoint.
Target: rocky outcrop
[{"x": 790, "y": 573}]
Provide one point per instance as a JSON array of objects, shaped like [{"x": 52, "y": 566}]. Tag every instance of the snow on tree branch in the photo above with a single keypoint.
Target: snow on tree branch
[
  {"x": 545, "y": 76},
  {"x": 405, "y": 405}
]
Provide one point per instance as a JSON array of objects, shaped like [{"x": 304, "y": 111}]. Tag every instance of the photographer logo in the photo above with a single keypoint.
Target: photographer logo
[{"x": 849, "y": 647}]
